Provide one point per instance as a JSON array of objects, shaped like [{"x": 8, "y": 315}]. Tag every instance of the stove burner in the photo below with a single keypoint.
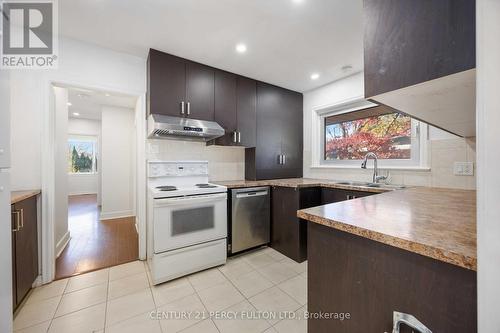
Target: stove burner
[
  {"x": 205, "y": 186},
  {"x": 166, "y": 188}
]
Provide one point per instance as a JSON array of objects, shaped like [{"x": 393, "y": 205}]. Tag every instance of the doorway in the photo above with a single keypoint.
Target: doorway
[{"x": 95, "y": 180}]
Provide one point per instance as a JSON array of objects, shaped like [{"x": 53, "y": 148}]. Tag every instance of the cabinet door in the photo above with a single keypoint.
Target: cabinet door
[
  {"x": 26, "y": 240},
  {"x": 225, "y": 105},
  {"x": 331, "y": 195},
  {"x": 269, "y": 131},
  {"x": 292, "y": 138},
  {"x": 200, "y": 90},
  {"x": 285, "y": 227},
  {"x": 247, "y": 111},
  {"x": 408, "y": 42},
  {"x": 166, "y": 84},
  {"x": 14, "y": 278}
]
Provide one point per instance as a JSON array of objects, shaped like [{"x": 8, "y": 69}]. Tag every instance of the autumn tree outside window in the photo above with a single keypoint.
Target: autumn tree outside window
[
  {"x": 348, "y": 135},
  {"x": 388, "y": 136}
]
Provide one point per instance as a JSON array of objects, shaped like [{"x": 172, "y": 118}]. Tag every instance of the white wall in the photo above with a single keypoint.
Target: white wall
[
  {"x": 443, "y": 148},
  {"x": 118, "y": 163},
  {"x": 488, "y": 118},
  {"x": 61, "y": 168},
  {"x": 80, "y": 64},
  {"x": 84, "y": 183},
  {"x": 224, "y": 163},
  {"x": 5, "y": 228}
]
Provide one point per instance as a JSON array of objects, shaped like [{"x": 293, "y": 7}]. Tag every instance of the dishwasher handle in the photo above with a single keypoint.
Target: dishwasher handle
[{"x": 251, "y": 194}]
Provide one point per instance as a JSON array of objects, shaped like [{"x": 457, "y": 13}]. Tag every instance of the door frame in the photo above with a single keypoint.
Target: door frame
[{"x": 48, "y": 255}]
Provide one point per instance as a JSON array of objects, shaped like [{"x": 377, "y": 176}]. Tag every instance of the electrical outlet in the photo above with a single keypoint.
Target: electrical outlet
[{"x": 463, "y": 169}]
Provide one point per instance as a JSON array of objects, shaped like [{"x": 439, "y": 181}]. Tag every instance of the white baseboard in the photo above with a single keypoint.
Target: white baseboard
[
  {"x": 61, "y": 244},
  {"x": 82, "y": 193},
  {"x": 116, "y": 215},
  {"x": 37, "y": 282}
]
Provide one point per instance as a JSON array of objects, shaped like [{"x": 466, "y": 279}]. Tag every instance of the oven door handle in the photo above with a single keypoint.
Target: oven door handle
[{"x": 190, "y": 199}]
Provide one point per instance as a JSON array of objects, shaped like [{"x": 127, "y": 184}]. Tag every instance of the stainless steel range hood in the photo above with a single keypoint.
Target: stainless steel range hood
[{"x": 177, "y": 128}]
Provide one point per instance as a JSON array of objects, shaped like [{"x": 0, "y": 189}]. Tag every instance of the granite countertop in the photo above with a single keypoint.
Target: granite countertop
[
  {"x": 435, "y": 222},
  {"x": 300, "y": 183},
  {"x": 17, "y": 196}
]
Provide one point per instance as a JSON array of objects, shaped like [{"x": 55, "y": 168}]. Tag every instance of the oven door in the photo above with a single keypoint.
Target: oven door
[{"x": 185, "y": 221}]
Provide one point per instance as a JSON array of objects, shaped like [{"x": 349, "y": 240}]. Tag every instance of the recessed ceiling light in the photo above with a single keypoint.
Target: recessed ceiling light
[
  {"x": 107, "y": 95},
  {"x": 297, "y": 1},
  {"x": 241, "y": 48},
  {"x": 69, "y": 104},
  {"x": 76, "y": 114},
  {"x": 314, "y": 76}
]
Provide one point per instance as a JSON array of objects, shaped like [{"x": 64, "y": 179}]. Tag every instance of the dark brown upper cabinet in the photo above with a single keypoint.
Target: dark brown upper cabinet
[
  {"x": 419, "y": 58},
  {"x": 178, "y": 87},
  {"x": 278, "y": 152},
  {"x": 200, "y": 89},
  {"x": 166, "y": 84},
  {"x": 235, "y": 109},
  {"x": 226, "y": 106},
  {"x": 246, "y": 100}
]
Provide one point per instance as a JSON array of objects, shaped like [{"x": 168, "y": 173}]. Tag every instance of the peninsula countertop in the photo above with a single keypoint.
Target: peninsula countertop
[
  {"x": 434, "y": 222},
  {"x": 17, "y": 196}
]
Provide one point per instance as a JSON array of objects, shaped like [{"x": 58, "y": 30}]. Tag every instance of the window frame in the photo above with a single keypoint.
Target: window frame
[
  {"x": 95, "y": 143},
  {"x": 419, "y": 134}
]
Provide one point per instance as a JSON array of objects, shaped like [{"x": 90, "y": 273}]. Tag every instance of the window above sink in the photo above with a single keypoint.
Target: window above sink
[{"x": 347, "y": 132}]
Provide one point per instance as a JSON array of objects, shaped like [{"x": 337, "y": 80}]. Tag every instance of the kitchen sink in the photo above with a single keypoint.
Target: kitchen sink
[
  {"x": 354, "y": 183},
  {"x": 368, "y": 184}
]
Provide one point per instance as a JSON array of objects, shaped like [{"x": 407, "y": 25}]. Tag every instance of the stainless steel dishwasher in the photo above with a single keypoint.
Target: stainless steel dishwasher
[{"x": 250, "y": 218}]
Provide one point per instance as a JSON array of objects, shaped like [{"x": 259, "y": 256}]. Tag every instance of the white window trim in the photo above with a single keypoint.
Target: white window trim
[
  {"x": 87, "y": 138},
  {"x": 420, "y": 129}
]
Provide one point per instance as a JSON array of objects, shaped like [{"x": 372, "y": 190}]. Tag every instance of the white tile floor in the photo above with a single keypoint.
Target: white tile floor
[{"x": 121, "y": 299}]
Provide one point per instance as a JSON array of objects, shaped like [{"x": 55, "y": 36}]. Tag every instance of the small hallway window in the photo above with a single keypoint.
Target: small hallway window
[{"x": 82, "y": 155}]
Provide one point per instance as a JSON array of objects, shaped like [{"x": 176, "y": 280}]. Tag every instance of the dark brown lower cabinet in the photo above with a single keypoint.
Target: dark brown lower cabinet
[
  {"x": 331, "y": 195},
  {"x": 24, "y": 248},
  {"x": 288, "y": 232},
  {"x": 369, "y": 280}
]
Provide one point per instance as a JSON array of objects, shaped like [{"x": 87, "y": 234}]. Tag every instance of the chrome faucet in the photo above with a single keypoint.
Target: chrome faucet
[
  {"x": 376, "y": 177},
  {"x": 409, "y": 320}
]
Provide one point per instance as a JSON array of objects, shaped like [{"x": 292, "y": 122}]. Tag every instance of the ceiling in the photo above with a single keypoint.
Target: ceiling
[
  {"x": 287, "y": 40},
  {"x": 88, "y": 103}
]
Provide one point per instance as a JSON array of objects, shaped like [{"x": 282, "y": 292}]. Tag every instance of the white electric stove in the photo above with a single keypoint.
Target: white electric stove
[{"x": 187, "y": 219}]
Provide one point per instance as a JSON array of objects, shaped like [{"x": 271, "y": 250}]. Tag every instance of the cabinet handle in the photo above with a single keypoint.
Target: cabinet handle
[
  {"x": 22, "y": 218},
  {"x": 234, "y": 137},
  {"x": 279, "y": 159},
  {"x": 284, "y": 159},
  {"x": 350, "y": 197},
  {"x": 182, "y": 107},
  {"x": 18, "y": 219},
  {"x": 188, "y": 108},
  {"x": 239, "y": 137}
]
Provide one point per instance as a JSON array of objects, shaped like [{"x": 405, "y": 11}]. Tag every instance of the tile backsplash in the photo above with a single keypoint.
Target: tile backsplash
[
  {"x": 228, "y": 163},
  {"x": 442, "y": 156},
  {"x": 224, "y": 163}
]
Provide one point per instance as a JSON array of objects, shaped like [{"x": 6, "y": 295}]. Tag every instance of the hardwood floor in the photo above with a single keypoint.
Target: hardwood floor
[{"x": 95, "y": 244}]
